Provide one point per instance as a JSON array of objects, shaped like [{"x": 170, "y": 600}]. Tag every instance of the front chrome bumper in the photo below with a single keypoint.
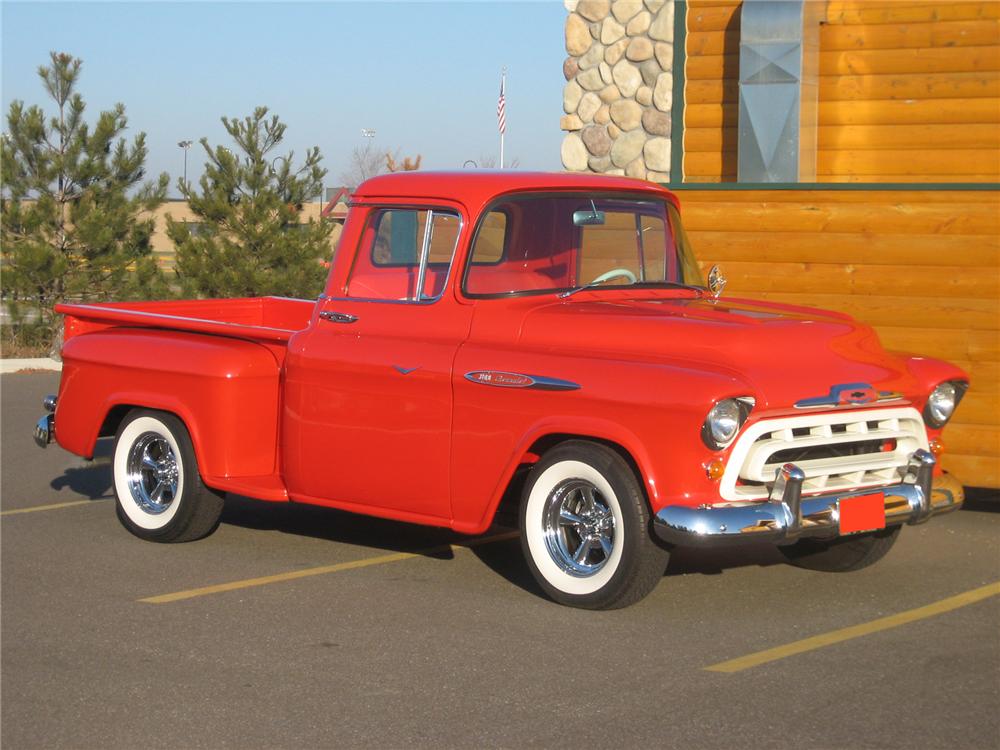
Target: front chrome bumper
[
  {"x": 45, "y": 428},
  {"x": 787, "y": 516}
]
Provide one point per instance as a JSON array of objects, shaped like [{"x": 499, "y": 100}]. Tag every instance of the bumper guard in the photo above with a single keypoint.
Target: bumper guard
[{"x": 45, "y": 428}]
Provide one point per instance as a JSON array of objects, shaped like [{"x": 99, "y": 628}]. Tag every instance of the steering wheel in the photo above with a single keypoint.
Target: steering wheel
[{"x": 614, "y": 273}]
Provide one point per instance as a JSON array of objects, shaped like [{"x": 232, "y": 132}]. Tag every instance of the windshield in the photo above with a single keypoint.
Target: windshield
[{"x": 556, "y": 243}]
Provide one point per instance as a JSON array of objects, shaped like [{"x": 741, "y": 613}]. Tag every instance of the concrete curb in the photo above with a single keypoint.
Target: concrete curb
[{"x": 17, "y": 365}]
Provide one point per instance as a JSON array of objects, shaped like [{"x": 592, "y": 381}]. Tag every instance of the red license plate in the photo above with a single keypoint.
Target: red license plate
[{"x": 862, "y": 513}]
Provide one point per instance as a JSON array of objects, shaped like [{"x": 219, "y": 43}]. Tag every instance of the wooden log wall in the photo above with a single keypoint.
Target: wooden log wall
[
  {"x": 909, "y": 91},
  {"x": 922, "y": 267}
]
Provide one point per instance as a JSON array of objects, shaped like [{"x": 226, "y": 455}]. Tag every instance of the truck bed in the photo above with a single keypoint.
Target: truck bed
[{"x": 266, "y": 319}]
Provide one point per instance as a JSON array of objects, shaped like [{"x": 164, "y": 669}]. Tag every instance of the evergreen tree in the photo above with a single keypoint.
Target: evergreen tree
[
  {"x": 73, "y": 209},
  {"x": 250, "y": 241}
]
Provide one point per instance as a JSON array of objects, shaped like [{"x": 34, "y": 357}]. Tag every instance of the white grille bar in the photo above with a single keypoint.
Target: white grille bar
[{"x": 752, "y": 463}]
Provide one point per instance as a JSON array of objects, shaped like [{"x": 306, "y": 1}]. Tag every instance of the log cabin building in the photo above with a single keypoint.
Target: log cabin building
[{"x": 837, "y": 153}]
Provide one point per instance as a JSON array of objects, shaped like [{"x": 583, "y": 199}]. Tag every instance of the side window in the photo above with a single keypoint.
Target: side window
[{"x": 405, "y": 256}]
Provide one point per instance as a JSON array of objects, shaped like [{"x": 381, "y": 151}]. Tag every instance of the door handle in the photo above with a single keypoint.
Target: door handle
[{"x": 338, "y": 317}]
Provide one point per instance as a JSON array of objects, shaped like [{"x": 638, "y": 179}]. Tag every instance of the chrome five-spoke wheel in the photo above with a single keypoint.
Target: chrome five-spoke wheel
[
  {"x": 152, "y": 473},
  {"x": 579, "y": 527}
]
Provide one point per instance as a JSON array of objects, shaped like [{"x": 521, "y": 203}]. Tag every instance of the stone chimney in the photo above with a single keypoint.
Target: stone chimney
[{"x": 619, "y": 87}]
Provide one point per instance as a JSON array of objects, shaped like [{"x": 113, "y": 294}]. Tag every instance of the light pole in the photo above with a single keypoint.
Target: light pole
[{"x": 185, "y": 145}]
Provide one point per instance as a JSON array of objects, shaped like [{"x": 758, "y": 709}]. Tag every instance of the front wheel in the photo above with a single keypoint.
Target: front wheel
[
  {"x": 158, "y": 491},
  {"x": 841, "y": 555},
  {"x": 585, "y": 529}
]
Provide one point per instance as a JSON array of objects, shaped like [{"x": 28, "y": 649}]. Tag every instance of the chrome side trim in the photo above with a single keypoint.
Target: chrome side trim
[
  {"x": 786, "y": 516},
  {"x": 553, "y": 384},
  {"x": 502, "y": 379}
]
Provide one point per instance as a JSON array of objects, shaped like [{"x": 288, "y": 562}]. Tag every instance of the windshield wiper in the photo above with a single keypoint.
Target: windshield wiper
[
  {"x": 647, "y": 284},
  {"x": 574, "y": 290},
  {"x": 671, "y": 285}
]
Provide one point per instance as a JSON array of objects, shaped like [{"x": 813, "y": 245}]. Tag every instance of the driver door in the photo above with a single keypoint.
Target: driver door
[{"x": 368, "y": 407}]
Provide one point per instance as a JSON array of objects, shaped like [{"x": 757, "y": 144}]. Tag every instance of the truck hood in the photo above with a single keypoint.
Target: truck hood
[{"x": 783, "y": 354}]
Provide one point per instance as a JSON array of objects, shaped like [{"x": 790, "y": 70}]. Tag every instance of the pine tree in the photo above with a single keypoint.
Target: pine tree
[
  {"x": 73, "y": 210},
  {"x": 249, "y": 241}
]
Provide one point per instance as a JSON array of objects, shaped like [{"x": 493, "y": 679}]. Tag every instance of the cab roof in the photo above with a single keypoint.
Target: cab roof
[{"x": 477, "y": 187}]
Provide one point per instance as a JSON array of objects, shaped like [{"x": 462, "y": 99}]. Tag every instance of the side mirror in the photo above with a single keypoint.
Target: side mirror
[{"x": 716, "y": 281}]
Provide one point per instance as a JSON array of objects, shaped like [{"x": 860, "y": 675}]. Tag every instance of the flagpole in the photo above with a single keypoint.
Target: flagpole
[{"x": 503, "y": 80}]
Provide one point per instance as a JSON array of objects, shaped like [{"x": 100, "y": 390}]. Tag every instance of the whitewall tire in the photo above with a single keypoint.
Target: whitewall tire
[
  {"x": 585, "y": 528},
  {"x": 158, "y": 490}
]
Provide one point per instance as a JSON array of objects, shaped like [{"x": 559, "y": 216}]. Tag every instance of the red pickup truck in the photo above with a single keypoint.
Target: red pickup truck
[{"x": 541, "y": 337}]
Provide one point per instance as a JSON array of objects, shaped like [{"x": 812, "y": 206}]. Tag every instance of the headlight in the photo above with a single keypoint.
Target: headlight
[
  {"x": 724, "y": 421},
  {"x": 942, "y": 402}
]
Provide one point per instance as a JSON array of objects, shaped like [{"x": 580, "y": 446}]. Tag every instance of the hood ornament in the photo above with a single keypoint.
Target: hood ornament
[{"x": 716, "y": 281}]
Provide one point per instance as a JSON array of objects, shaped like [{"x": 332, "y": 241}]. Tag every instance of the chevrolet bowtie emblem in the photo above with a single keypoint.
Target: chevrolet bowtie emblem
[{"x": 849, "y": 394}]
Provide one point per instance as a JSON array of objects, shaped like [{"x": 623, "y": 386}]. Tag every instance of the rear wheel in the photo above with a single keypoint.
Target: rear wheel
[
  {"x": 585, "y": 529},
  {"x": 159, "y": 493},
  {"x": 843, "y": 554}
]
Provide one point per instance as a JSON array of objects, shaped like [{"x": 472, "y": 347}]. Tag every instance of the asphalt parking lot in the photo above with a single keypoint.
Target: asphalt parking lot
[{"x": 297, "y": 627}]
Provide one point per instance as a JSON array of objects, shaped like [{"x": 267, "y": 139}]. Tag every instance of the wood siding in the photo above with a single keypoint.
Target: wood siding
[
  {"x": 909, "y": 91},
  {"x": 922, "y": 267}
]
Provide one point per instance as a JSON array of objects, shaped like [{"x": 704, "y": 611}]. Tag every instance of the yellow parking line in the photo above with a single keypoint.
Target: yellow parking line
[
  {"x": 321, "y": 570},
  {"x": 856, "y": 631},
  {"x": 54, "y": 506}
]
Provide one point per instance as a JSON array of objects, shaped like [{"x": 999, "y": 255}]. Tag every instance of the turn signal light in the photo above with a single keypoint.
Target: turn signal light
[
  {"x": 937, "y": 447},
  {"x": 715, "y": 469}
]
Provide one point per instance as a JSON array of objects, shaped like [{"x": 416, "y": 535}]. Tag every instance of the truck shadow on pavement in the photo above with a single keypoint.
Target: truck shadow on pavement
[
  {"x": 505, "y": 559},
  {"x": 502, "y": 557},
  {"x": 92, "y": 479},
  {"x": 339, "y": 526}
]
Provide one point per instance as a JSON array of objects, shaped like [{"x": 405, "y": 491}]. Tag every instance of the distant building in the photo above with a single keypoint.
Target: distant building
[{"x": 335, "y": 209}]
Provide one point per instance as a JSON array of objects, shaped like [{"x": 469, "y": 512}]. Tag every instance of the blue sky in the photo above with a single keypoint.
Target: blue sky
[{"x": 425, "y": 76}]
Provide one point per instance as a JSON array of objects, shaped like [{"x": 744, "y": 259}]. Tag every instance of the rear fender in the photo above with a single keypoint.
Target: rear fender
[{"x": 226, "y": 391}]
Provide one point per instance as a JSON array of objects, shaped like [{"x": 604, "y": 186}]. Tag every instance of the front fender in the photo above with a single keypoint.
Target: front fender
[{"x": 654, "y": 411}]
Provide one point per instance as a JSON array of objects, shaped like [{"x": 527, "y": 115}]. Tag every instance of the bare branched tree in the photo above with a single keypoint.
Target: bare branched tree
[
  {"x": 490, "y": 162},
  {"x": 367, "y": 161}
]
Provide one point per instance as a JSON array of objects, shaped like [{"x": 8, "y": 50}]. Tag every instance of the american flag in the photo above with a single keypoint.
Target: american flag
[{"x": 501, "y": 110}]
